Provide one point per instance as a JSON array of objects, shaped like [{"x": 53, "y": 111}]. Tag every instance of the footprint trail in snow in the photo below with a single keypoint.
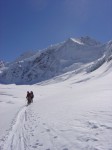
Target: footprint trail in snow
[{"x": 31, "y": 132}]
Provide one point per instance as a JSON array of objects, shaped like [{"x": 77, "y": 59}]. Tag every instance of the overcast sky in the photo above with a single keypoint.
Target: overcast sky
[{"x": 35, "y": 24}]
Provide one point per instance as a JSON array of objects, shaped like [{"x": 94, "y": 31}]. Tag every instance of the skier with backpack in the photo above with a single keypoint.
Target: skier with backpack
[{"x": 29, "y": 97}]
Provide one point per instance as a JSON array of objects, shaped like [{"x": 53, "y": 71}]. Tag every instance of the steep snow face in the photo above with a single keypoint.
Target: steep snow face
[
  {"x": 55, "y": 60},
  {"x": 75, "y": 51},
  {"x": 107, "y": 57}
]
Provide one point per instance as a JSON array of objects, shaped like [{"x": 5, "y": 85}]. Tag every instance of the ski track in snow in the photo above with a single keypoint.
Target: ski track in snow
[
  {"x": 16, "y": 137},
  {"x": 86, "y": 132}
]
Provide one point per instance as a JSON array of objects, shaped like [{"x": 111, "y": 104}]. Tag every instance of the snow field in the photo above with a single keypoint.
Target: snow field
[{"x": 71, "y": 115}]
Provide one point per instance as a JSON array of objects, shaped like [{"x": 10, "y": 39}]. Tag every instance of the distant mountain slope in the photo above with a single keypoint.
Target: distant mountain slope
[
  {"x": 56, "y": 60},
  {"x": 1, "y": 64},
  {"x": 107, "y": 57},
  {"x": 25, "y": 56}
]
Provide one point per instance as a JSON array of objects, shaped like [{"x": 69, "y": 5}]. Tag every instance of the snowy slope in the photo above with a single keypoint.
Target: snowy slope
[
  {"x": 72, "y": 110},
  {"x": 53, "y": 61},
  {"x": 71, "y": 115}
]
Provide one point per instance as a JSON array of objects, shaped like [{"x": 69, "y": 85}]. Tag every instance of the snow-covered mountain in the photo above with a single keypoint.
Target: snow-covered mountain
[
  {"x": 75, "y": 114},
  {"x": 55, "y": 60}
]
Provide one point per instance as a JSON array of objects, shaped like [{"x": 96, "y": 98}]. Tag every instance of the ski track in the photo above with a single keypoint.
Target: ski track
[
  {"x": 80, "y": 133},
  {"x": 16, "y": 137}
]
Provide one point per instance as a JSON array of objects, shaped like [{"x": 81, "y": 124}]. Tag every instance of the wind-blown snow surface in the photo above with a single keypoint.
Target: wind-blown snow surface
[{"x": 73, "y": 114}]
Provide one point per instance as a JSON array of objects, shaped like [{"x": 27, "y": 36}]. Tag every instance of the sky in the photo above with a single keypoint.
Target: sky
[{"x": 27, "y": 25}]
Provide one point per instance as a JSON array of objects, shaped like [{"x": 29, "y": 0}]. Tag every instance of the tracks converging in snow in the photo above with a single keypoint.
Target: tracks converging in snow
[{"x": 16, "y": 137}]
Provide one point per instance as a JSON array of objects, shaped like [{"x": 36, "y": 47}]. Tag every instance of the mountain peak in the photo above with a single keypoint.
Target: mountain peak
[
  {"x": 34, "y": 67},
  {"x": 83, "y": 41},
  {"x": 73, "y": 40},
  {"x": 89, "y": 41}
]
